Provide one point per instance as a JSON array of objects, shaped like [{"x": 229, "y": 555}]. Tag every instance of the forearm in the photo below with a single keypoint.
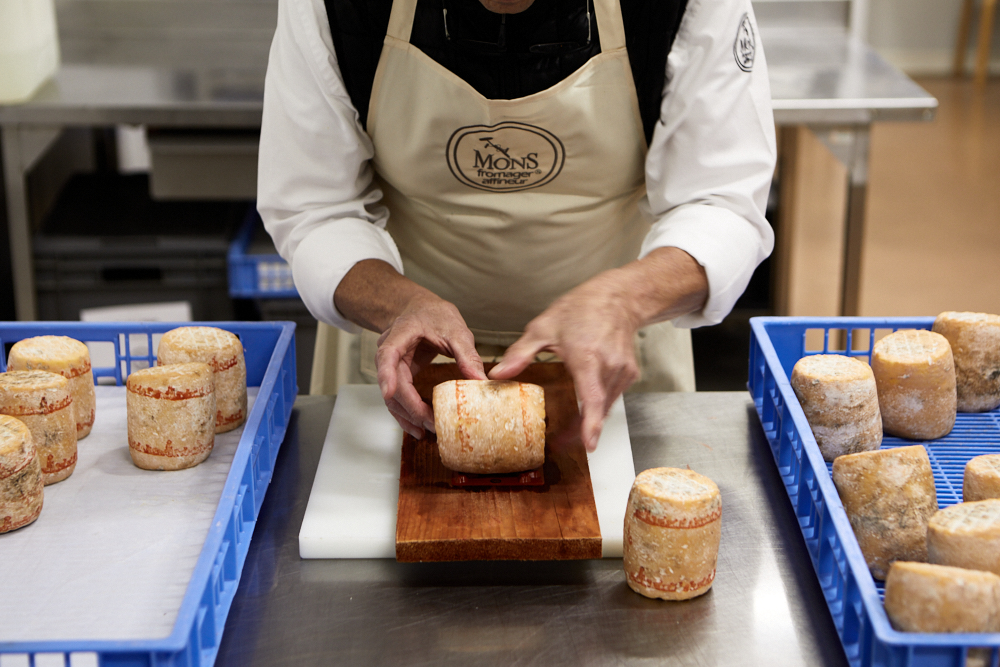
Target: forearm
[
  {"x": 373, "y": 294},
  {"x": 665, "y": 284}
]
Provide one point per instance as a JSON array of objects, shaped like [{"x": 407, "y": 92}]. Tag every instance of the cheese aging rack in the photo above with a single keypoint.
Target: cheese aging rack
[
  {"x": 269, "y": 350},
  {"x": 853, "y": 597}
]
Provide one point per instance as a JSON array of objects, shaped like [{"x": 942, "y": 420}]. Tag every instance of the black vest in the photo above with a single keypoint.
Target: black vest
[{"x": 507, "y": 56}]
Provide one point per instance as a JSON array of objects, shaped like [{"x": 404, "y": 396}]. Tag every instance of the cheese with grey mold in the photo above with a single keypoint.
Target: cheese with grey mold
[
  {"x": 171, "y": 415},
  {"x": 42, "y": 400},
  {"x": 21, "y": 485},
  {"x": 889, "y": 496},
  {"x": 975, "y": 345}
]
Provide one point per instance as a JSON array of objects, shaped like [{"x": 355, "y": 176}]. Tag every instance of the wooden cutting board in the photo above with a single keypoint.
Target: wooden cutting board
[{"x": 556, "y": 521}]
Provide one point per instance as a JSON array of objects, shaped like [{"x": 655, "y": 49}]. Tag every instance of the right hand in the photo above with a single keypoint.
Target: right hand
[{"x": 426, "y": 327}]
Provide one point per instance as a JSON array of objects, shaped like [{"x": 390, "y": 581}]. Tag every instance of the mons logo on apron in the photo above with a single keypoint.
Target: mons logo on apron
[{"x": 507, "y": 157}]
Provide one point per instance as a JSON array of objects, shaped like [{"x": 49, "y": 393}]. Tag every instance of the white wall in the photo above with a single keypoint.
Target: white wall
[{"x": 919, "y": 36}]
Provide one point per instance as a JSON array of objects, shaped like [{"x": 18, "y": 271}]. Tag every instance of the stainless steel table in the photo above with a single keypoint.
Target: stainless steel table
[
  {"x": 765, "y": 608},
  {"x": 838, "y": 86},
  {"x": 186, "y": 63}
]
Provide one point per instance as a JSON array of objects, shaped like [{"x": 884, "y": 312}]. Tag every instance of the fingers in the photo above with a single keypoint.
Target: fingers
[
  {"x": 517, "y": 357},
  {"x": 403, "y": 419},
  {"x": 599, "y": 382},
  {"x": 470, "y": 364}
]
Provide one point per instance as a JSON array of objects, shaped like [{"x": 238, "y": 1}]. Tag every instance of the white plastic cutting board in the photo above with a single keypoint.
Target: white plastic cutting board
[{"x": 352, "y": 505}]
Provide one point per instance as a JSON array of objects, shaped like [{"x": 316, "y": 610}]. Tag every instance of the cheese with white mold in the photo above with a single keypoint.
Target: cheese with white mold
[
  {"x": 888, "y": 496},
  {"x": 975, "y": 345},
  {"x": 915, "y": 375},
  {"x": 223, "y": 351},
  {"x": 922, "y": 597},
  {"x": 966, "y": 535},
  {"x": 489, "y": 426},
  {"x": 67, "y": 357},
  {"x": 673, "y": 524},
  {"x": 837, "y": 394},
  {"x": 981, "y": 479}
]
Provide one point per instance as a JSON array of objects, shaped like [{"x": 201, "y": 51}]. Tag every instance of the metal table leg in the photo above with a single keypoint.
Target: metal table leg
[
  {"x": 18, "y": 225},
  {"x": 850, "y": 146}
]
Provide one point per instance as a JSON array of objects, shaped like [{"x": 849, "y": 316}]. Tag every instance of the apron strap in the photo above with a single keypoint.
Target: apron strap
[
  {"x": 608, "y": 14},
  {"x": 401, "y": 19},
  {"x": 609, "y": 19}
]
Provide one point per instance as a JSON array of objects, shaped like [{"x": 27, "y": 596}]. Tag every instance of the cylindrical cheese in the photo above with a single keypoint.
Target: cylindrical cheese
[
  {"x": 171, "y": 416},
  {"x": 975, "y": 344},
  {"x": 837, "y": 394},
  {"x": 489, "y": 427},
  {"x": 42, "y": 401},
  {"x": 672, "y": 530},
  {"x": 889, "y": 496},
  {"x": 966, "y": 535},
  {"x": 920, "y": 597},
  {"x": 982, "y": 478},
  {"x": 915, "y": 375},
  {"x": 222, "y": 351},
  {"x": 20, "y": 476},
  {"x": 67, "y": 357}
]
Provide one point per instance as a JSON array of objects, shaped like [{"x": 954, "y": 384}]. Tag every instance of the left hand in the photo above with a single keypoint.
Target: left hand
[{"x": 592, "y": 328}]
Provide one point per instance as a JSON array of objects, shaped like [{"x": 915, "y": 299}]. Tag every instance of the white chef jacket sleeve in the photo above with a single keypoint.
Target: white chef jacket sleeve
[
  {"x": 315, "y": 192},
  {"x": 712, "y": 155}
]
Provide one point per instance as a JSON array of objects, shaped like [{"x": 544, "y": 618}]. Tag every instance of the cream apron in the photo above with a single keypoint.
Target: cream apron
[{"x": 501, "y": 206}]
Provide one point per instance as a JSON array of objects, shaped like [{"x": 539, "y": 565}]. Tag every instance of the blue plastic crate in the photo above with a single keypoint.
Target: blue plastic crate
[
  {"x": 257, "y": 276},
  {"x": 853, "y": 596},
  {"x": 270, "y": 359}
]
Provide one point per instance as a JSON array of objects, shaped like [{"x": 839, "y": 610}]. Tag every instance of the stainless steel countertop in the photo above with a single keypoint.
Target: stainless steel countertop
[
  {"x": 765, "y": 608},
  {"x": 820, "y": 76},
  {"x": 200, "y": 63}
]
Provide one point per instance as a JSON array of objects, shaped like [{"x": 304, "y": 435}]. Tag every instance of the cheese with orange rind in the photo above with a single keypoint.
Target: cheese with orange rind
[
  {"x": 488, "y": 426},
  {"x": 975, "y": 345},
  {"x": 915, "y": 375},
  {"x": 223, "y": 351},
  {"x": 42, "y": 400},
  {"x": 21, "y": 483},
  {"x": 981, "y": 479},
  {"x": 923, "y": 597},
  {"x": 888, "y": 496},
  {"x": 837, "y": 394},
  {"x": 67, "y": 357},
  {"x": 171, "y": 415},
  {"x": 673, "y": 524},
  {"x": 966, "y": 535}
]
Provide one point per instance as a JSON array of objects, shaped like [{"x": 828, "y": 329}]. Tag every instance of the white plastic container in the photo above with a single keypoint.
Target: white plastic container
[{"x": 29, "y": 47}]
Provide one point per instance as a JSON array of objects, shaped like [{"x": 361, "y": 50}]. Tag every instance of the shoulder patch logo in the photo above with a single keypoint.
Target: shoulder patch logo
[{"x": 745, "y": 46}]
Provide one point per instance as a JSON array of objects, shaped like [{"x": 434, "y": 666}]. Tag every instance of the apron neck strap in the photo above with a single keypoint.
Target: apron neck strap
[{"x": 608, "y": 15}]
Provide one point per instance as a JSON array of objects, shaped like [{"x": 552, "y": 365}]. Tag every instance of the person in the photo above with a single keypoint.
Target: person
[{"x": 585, "y": 178}]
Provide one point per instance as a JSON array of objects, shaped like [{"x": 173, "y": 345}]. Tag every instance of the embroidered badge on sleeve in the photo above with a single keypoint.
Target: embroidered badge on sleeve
[{"x": 745, "y": 46}]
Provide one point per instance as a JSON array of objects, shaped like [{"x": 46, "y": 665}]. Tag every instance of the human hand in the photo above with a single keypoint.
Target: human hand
[
  {"x": 592, "y": 328},
  {"x": 592, "y": 331},
  {"x": 416, "y": 326},
  {"x": 428, "y": 326}
]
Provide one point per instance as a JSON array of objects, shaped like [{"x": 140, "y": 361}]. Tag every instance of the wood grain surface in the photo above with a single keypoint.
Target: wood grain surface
[{"x": 556, "y": 521}]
